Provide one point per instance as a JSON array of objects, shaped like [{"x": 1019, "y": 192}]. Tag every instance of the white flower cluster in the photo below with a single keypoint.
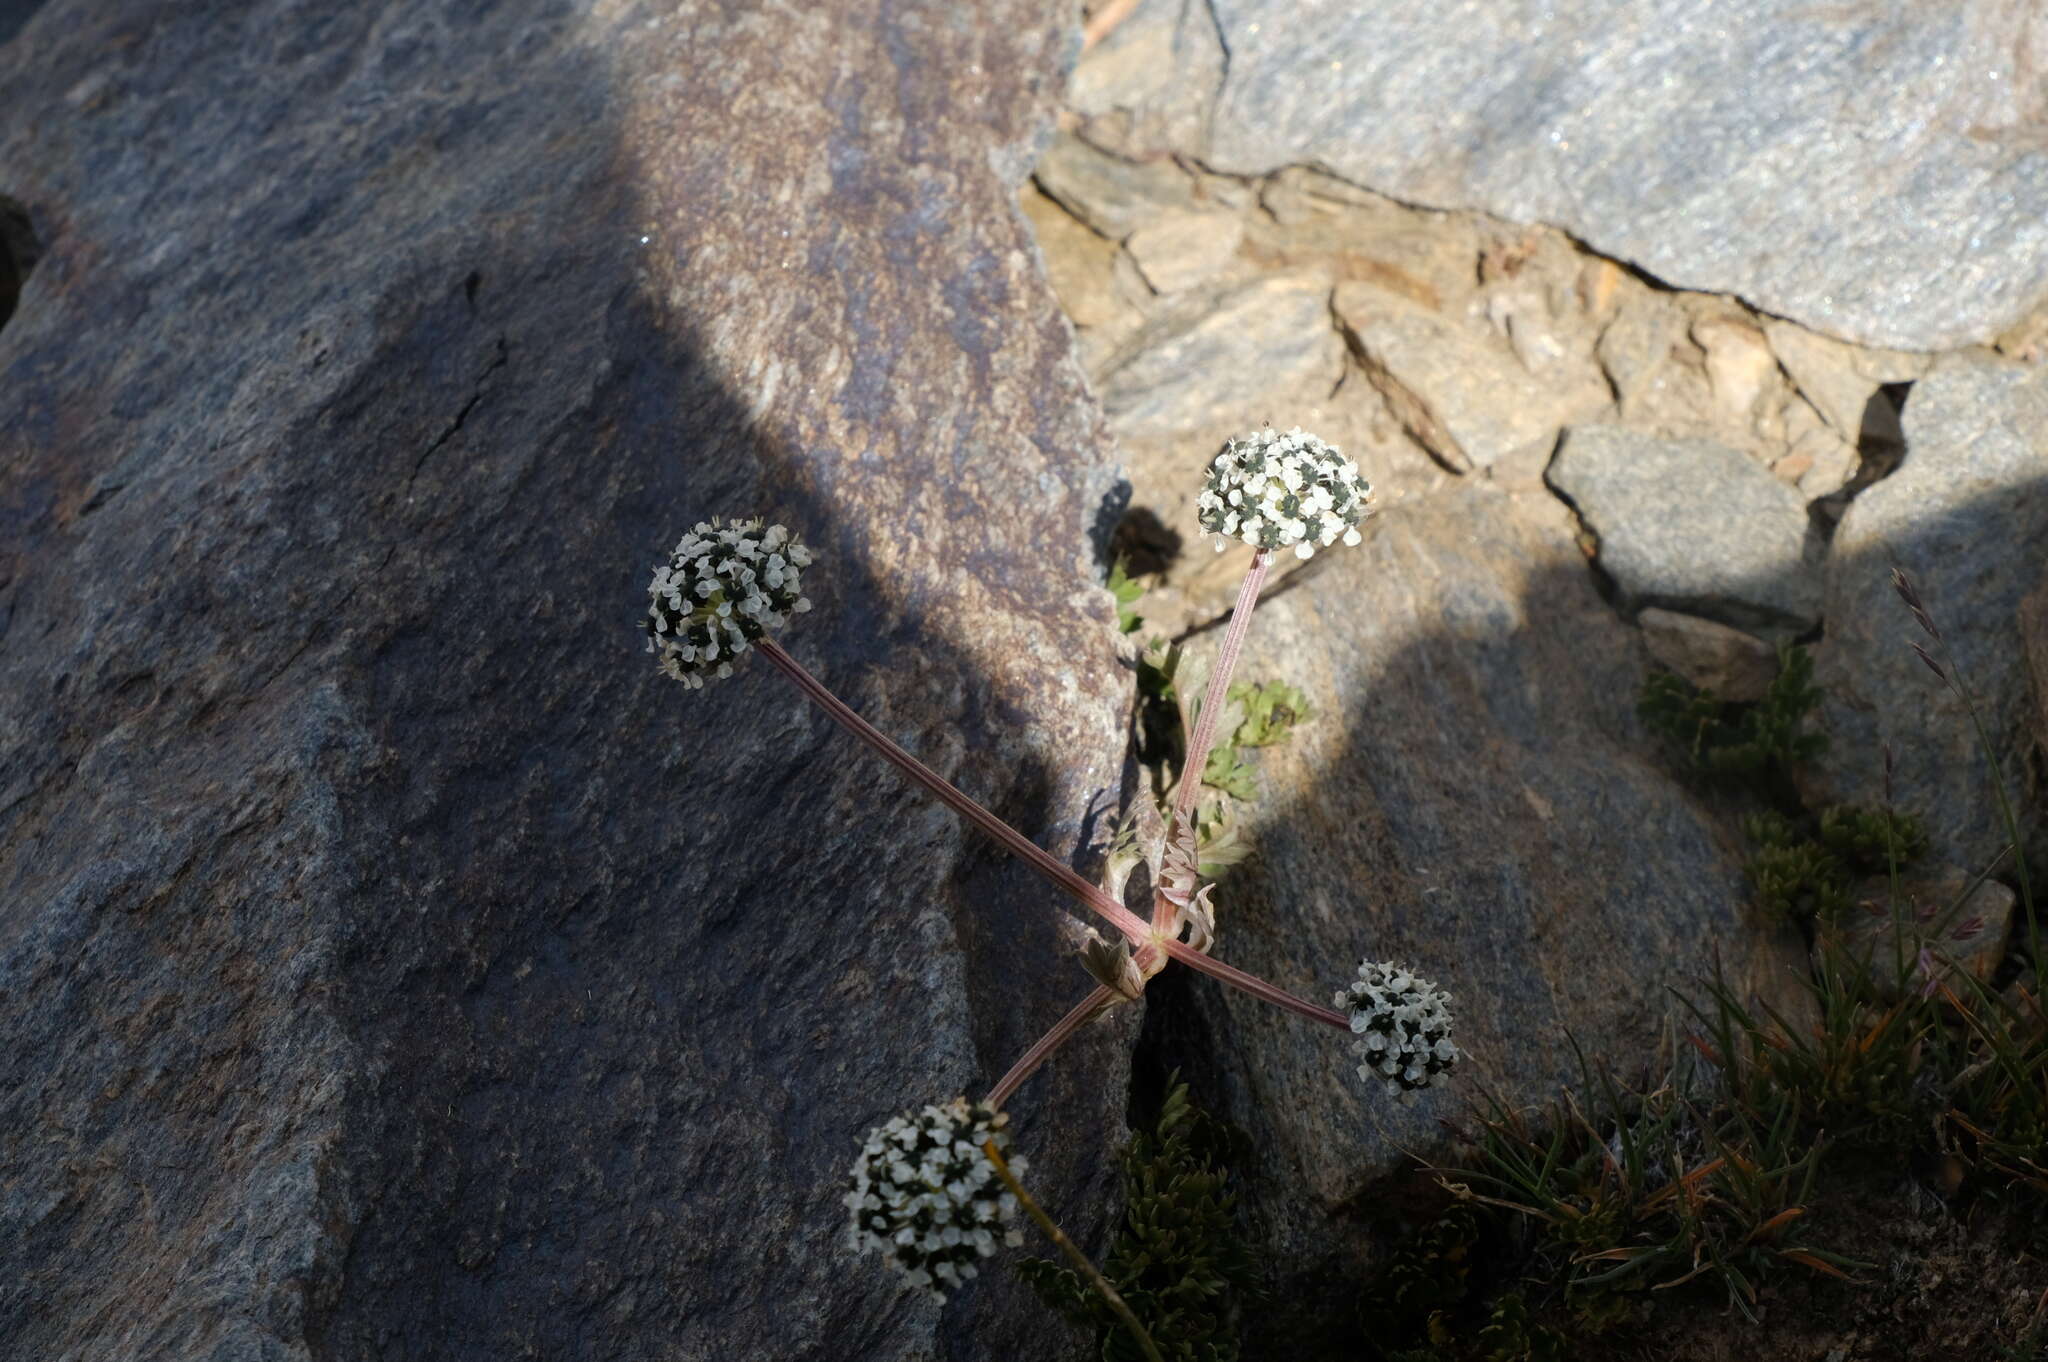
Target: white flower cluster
[
  {"x": 928, "y": 1198},
  {"x": 724, "y": 587},
  {"x": 1273, "y": 490},
  {"x": 1403, "y": 1025}
]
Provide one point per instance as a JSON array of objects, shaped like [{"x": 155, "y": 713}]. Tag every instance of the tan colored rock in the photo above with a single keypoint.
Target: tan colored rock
[
  {"x": 1818, "y": 461},
  {"x": 1078, "y": 263},
  {"x": 1964, "y": 936},
  {"x": 1181, "y": 249},
  {"x": 1114, "y": 195},
  {"x": 1836, "y": 377},
  {"x": 1659, "y": 373},
  {"x": 1732, "y": 664},
  {"x": 1739, "y": 364},
  {"x": 1452, "y": 381},
  {"x": 1224, "y": 360},
  {"x": 1825, "y": 372}
]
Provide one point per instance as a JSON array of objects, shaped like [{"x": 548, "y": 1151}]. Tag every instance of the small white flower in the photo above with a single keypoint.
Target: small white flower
[
  {"x": 1278, "y": 491},
  {"x": 924, "y": 1192},
  {"x": 1403, "y": 1025},
  {"x": 731, "y": 604}
]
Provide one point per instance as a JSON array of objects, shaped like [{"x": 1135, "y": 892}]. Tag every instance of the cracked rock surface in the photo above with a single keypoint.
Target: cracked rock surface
[
  {"x": 1874, "y": 172},
  {"x": 394, "y": 964}
]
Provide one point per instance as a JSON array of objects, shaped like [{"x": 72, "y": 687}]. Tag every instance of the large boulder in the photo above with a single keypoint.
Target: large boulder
[
  {"x": 1966, "y": 517},
  {"x": 1825, "y": 163},
  {"x": 394, "y": 963},
  {"x": 1474, "y": 798}
]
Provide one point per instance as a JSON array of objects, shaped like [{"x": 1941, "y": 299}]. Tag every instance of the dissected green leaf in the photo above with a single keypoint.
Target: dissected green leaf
[
  {"x": 1178, "y": 1259},
  {"x": 1128, "y": 593}
]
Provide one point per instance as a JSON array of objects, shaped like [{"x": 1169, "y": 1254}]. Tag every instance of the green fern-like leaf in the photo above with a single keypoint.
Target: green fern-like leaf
[
  {"x": 1177, "y": 1258},
  {"x": 1271, "y": 710},
  {"x": 1228, "y": 772},
  {"x": 1512, "y": 1336},
  {"x": 1754, "y": 745},
  {"x": 1128, "y": 593}
]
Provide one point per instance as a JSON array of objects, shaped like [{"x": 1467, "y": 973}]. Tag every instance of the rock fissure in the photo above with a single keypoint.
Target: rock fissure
[
  {"x": 500, "y": 354},
  {"x": 19, "y": 249}
]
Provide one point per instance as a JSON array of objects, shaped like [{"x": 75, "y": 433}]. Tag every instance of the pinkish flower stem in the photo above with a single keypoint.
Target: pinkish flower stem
[
  {"x": 1042, "y": 1049},
  {"x": 1142, "y": 936},
  {"x": 1213, "y": 704},
  {"x": 1016, "y": 843},
  {"x": 1252, "y": 984}
]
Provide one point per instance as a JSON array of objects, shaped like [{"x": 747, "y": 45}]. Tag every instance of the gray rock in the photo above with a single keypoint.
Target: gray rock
[
  {"x": 395, "y": 965},
  {"x": 1475, "y": 798},
  {"x": 1823, "y": 163},
  {"x": 1693, "y": 526},
  {"x": 1966, "y": 516},
  {"x": 1733, "y": 665}
]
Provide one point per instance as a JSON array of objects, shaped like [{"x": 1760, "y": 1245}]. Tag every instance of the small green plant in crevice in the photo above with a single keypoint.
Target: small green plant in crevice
[
  {"x": 1178, "y": 1258},
  {"x": 1128, "y": 593},
  {"x": 1424, "y": 1281},
  {"x": 1255, "y": 714},
  {"x": 1511, "y": 1335},
  {"x": 1806, "y": 869},
  {"x": 1756, "y": 745}
]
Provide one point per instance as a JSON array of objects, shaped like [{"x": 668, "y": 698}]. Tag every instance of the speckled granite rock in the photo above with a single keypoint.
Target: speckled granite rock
[
  {"x": 395, "y": 965},
  {"x": 1692, "y": 525},
  {"x": 1966, "y": 515},
  {"x": 1482, "y": 805},
  {"x": 1825, "y": 163}
]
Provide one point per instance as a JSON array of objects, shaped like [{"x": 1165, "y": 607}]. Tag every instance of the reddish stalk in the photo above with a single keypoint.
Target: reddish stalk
[
  {"x": 1254, "y": 985},
  {"x": 1052, "y": 1040},
  {"x": 1143, "y": 937},
  {"x": 1213, "y": 703},
  {"x": 943, "y": 790}
]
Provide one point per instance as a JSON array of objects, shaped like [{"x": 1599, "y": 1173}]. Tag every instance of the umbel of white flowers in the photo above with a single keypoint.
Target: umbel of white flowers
[
  {"x": 1274, "y": 491},
  {"x": 724, "y": 587},
  {"x": 927, "y": 1197},
  {"x": 1403, "y": 1025}
]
